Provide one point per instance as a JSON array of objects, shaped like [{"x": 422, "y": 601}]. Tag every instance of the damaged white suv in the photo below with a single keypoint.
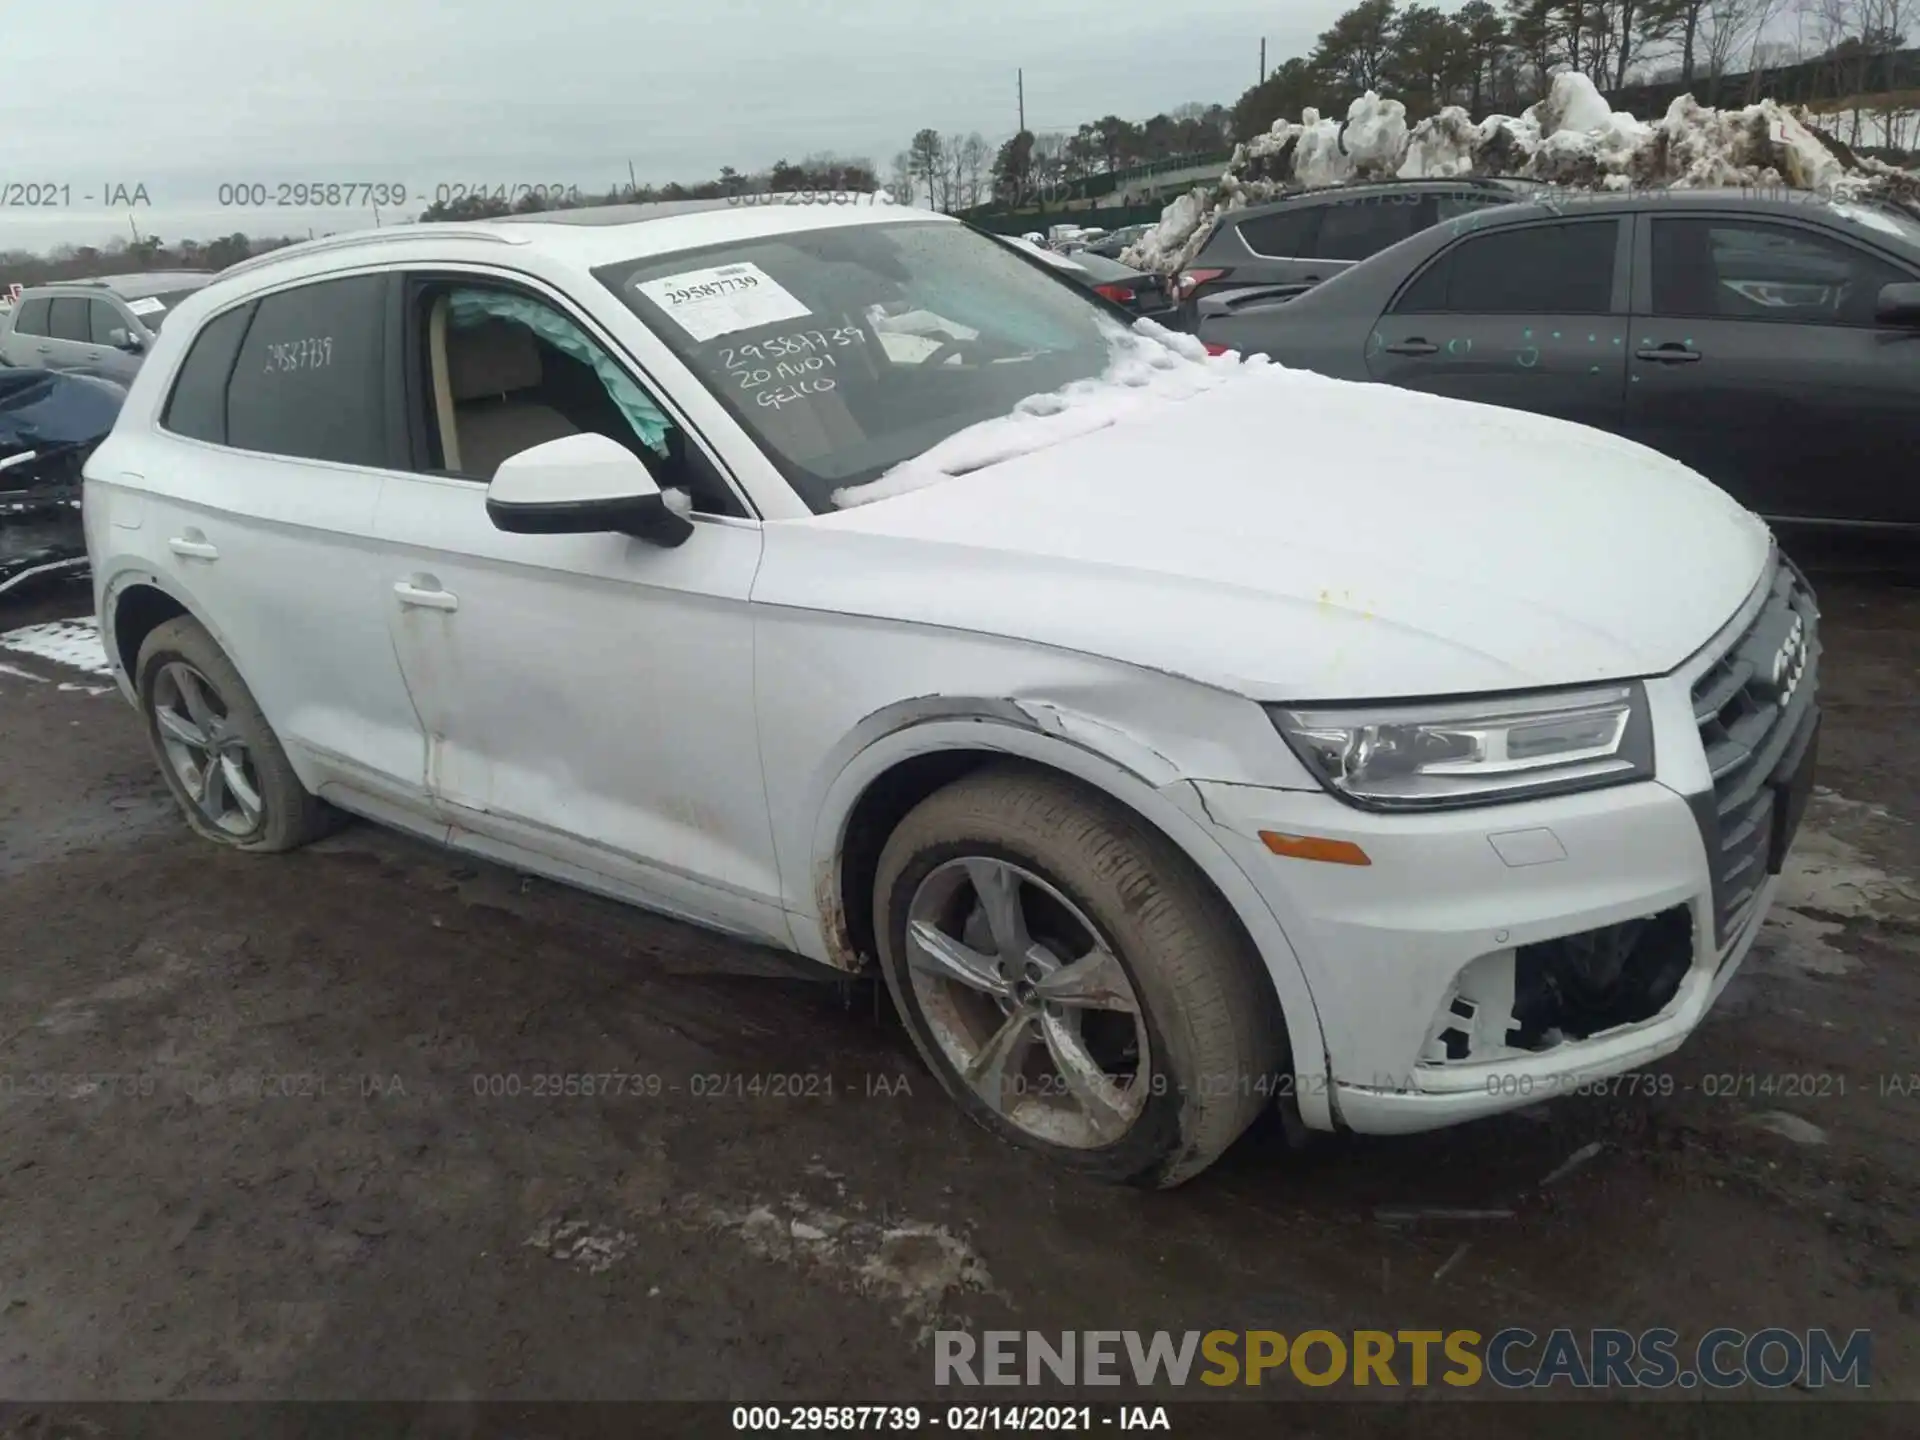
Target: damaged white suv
[{"x": 1177, "y": 735}]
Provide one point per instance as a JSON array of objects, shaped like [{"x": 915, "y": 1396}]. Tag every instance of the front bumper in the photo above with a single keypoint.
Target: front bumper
[{"x": 1491, "y": 958}]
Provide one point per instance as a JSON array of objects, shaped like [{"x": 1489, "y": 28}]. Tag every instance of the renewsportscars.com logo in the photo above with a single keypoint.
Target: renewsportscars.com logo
[{"x": 1511, "y": 1359}]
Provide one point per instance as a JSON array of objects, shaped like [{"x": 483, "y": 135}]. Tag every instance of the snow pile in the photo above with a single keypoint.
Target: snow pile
[
  {"x": 1571, "y": 138},
  {"x": 1150, "y": 366}
]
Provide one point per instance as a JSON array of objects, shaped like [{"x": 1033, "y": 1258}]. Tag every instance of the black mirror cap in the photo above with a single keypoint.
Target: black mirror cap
[
  {"x": 645, "y": 517},
  {"x": 1899, "y": 305}
]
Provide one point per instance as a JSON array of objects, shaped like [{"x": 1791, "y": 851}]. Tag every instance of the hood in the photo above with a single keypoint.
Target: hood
[{"x": 1292, "y": 537}]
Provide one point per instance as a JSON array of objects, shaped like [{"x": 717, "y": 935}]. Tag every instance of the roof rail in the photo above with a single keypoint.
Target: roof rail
[{"x": 465, "y": 229}]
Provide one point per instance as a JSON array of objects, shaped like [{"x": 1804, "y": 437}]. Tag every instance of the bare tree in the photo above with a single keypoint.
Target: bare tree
[
  {"x": 1729, "y": 28},
  {"x": 927, "y": 160},
  {"x": 968, "y": 158},
  {"x": 900, "y": 178}
]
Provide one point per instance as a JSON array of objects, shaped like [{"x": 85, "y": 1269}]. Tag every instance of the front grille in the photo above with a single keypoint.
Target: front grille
[{"x": 1754, "y": 742}]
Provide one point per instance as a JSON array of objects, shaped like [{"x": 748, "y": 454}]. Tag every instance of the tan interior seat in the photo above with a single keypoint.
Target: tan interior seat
[{"x": 489, "y": 370}]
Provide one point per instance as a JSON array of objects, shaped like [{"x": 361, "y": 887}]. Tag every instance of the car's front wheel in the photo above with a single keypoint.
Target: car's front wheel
[
  {"x": 219, "y": 756},
  {"x": 1071, "y": 979}
]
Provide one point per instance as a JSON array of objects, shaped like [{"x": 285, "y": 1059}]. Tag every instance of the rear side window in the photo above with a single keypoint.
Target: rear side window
[
  {"x": 30, "y": 317},
  {"x": 1537, "y": 270},
  {"x": 1284, "y": 235},
  {"x": 197, "y": 408},
  {"x": 310, "y": 379},
  {"x": 1357, "y": 229},
  {"x": 68, "y": 320}
]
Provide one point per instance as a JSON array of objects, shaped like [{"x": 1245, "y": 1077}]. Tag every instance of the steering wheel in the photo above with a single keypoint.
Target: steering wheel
[{"x": 949, "y": 350}]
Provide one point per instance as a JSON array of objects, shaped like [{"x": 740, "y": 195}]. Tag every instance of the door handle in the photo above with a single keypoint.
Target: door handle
[
  {"x": 193, "y": 546},
  {"x": 425, "y": 597},
  {"x": 1668, "y": 355},
  {"x": 1415, "y": 346}
]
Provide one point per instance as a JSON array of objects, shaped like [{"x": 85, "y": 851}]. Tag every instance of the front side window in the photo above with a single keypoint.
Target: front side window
[
  {"x": 1752, "y": 270},
  {"x": 846, "y": 350},
  {"x": 33, "y": 316},
  {"x": 103, "y": 320},
  {"x": 504, "y": 371},
  {"x": 68, "y": 320},
  {"x": 309, "y": 381},
  {"x": 1564, "y": 269}
]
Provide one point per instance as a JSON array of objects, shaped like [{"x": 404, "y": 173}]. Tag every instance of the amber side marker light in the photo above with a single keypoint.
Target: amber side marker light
[{"x": 1314, "y": 847}]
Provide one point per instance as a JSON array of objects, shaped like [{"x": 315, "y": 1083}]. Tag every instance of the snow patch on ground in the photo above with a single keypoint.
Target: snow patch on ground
[
  {"x": 917, "y": 1266},
  {"x": 1572, "y": 138},
  {"x": 593, "y": 1248},
  {"x": 1827, "y": 882},
  {"x": 1150, "y": 367},
  {"x": 65, "y": 642}
]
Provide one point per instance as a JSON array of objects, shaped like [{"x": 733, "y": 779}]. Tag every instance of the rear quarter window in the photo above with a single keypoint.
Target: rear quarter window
[
  {"x": 1283, "y": 235},
  {"x": 197, "y": 407}
]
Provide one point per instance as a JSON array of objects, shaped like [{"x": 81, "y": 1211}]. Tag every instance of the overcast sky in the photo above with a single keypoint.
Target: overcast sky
[{"x": 182, "y": 96}]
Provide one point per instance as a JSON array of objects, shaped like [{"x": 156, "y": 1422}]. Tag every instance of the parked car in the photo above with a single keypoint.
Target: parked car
[
  {"x": 1114, "y": 243},
  {"x": 1142, "y": 293},
  {"x": 49, "y": 424},
  {"x": 1155, "y": 787},
  {"x": 102, "y": 327},
  {"x": 1770, "y": 343},
  {"x": 1302, "y": 239}
]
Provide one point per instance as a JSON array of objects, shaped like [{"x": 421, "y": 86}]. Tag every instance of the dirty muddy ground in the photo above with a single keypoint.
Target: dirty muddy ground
[{"x": 271, "y": 1129}]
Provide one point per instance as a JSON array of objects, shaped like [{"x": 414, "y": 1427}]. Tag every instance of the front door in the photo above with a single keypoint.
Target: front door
[
  {"x": 587, "y": 698},
  {"x": 1757, "y": 361},
  {"x": 1528, "y": 316}
]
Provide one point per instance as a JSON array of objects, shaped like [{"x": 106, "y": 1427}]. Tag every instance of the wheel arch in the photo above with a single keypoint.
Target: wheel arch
[
  {"x": 906, "y": 752},
  {"x": 136, "y": 602}
]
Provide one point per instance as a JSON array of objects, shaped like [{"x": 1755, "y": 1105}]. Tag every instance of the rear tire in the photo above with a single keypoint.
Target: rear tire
[
  {"x": 1089, "y": 881},
  {"x": 218, "y": 754}
]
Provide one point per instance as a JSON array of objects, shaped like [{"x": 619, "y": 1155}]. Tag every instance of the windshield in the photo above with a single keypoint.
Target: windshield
[
  {"x": 845, "y": 351},
  {"x": 1887, "y": 219},
  {"x": 154, "y": 309}
]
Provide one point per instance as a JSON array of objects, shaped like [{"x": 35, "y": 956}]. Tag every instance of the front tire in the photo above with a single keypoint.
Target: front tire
[
  {"x": 1071, "y": 979},
  {"x": 218, "y": 755}
]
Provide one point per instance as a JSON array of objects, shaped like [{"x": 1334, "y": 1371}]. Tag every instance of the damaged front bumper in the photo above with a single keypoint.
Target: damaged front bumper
[{"x": 1491, "y": 958}]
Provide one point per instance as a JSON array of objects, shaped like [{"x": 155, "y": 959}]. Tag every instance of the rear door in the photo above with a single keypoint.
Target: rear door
[
  {"x": 263, "y": 513},
  {"x": 1532, "y": 316},
  {"x": 1756, "y": 360}
]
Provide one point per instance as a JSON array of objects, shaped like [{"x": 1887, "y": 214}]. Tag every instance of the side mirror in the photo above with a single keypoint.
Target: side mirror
[
  {"x": 1899, "y": 305},
  {"x": 124, "y": 339},
  {"x": 583, "y": 485}
]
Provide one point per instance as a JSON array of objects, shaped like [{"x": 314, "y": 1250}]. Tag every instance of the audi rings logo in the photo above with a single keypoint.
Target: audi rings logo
[{"x": 1789, "y": 662}]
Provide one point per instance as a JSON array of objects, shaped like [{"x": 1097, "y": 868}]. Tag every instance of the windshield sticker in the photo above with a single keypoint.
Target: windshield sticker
[
  {"x": 151, "y": 305},
  {"x": 723, "y": 299}
]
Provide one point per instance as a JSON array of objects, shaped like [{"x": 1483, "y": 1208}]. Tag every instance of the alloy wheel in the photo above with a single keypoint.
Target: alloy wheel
[
  {"x": 1028, "y": 1002},
  {"x": 205, "y": 750}
]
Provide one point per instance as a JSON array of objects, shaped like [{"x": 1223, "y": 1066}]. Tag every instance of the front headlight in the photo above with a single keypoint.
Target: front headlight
[{"x": 1439, "y": 754}]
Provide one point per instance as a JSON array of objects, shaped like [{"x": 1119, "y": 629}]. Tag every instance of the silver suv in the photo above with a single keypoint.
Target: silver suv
[{"x": 95, "y": 327}]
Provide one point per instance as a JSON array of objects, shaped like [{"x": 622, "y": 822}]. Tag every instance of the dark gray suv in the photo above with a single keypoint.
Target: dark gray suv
[
  {"x": 94, "y": 327},
  {"x": 1294, "y": 243}
]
